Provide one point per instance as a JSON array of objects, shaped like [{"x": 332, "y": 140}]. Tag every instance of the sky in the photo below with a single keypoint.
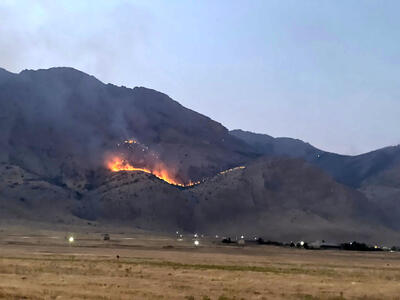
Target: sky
[{"x": 326, "y": 72}]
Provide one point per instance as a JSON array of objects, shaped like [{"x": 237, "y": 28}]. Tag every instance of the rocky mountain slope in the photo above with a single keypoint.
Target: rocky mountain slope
[
  {"x": 350, "y": 170},
  {"x": 280, "y": 199},
  {"x": 60, "y": 123},
  {"x": 26, "y": 196},
  {"x": 285, "y": 198},
  {"x": 64, "y": 134}
]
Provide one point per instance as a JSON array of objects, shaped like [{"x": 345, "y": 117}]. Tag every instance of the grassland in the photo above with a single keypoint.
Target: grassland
[{"x": 42, "y": 265}]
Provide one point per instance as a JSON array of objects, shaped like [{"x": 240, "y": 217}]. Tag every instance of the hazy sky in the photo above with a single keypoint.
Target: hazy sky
[{"x": 327, "y": 72}]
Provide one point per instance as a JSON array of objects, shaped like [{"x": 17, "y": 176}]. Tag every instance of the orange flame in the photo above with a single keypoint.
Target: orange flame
[
  {"x": 116, "y": 164},
  {"x": 131, "y": 141}
]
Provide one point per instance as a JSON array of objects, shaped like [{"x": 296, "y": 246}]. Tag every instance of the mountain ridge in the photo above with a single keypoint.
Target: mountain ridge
[
  {"x": 61, "y": 126},
  {"x": 349, "y": 170}
]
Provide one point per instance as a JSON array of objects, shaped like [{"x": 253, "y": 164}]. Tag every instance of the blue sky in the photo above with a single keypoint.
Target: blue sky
[{"x": 326, "y": 72}]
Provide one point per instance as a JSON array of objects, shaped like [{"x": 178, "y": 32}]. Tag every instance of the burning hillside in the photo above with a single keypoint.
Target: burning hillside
[
  {"x": 132, "y": 155},
  {"x": 117, "y": 164}
]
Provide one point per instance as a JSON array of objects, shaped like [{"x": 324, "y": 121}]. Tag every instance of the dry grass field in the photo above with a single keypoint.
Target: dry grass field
[{"x": 42, "y": 265}]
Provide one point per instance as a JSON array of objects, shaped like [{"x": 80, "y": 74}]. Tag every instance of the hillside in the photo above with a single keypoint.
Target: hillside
[
  {"x": 25, "y": 196},
  {"x": 285, "y": 198},
  {"x": 384, "y": 190},
  {"x": 137, "y": 199},
  {"x": 349, "y": 170}
]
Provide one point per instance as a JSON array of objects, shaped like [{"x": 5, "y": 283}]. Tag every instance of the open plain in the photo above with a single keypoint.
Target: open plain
[{"x": 42, "y": 264}]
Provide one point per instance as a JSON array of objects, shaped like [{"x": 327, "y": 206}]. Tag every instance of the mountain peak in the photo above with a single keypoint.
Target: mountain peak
[{"x": 60, "y": 73}]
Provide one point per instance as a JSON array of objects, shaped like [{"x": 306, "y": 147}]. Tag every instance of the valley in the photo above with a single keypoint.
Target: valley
[{"x": 39, "y": 263}]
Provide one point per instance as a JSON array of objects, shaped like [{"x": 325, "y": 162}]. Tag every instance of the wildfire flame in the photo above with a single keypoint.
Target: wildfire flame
[
  {"x": 117, "y": 164},
  {"x": 131, "y": 141}
]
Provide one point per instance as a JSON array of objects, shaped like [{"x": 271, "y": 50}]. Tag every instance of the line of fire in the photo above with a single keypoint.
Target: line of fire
[{"x": 117, "y": 163}]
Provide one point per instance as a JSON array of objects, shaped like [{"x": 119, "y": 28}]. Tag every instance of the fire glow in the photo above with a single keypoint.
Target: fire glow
[{"x": 117, "y": 164}]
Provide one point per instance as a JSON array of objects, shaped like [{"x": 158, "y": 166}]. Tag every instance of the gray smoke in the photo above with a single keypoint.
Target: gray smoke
[{"x": 87, "y": 36}]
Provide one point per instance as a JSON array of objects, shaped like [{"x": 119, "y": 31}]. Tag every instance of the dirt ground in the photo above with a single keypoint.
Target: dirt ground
[{"x": 44, "y": 265}]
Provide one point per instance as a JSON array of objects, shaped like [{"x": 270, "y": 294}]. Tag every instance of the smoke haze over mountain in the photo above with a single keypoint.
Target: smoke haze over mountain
[
  {"x": 135, "y": 156},
  {"x": 326, "y": 73}
]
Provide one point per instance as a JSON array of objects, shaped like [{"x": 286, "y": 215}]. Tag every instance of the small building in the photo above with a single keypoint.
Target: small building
[
  {"x": 322, "y": 245},
  {"x": 241, "y": 242}
]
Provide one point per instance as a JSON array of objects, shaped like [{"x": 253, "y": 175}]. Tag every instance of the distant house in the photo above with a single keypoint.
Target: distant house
[
  {"x": 241, "y": 242},
  {"x": 322, "y": 245}
]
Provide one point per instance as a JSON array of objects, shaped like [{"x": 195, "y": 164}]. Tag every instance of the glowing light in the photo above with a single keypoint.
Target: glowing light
[
  {"x": 233, "y": 169},
  {"x": 196, "y": 243},
  {"x": 302, "y": 243},
  {"x": 71, "y": 239},
  {"x": 180, "y": 238},
  {"x": 131, "y": 141}
]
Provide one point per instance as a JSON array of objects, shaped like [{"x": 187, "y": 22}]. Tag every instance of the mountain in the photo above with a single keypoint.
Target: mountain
[
  {"x": 349, "y": 170},
  {"x": 76, "y": 150},
  {"x": 61, "y": 124}
]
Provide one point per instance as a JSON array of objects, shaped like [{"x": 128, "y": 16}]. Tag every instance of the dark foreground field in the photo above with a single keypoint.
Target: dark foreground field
[{"x": 39, "y": 264}]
